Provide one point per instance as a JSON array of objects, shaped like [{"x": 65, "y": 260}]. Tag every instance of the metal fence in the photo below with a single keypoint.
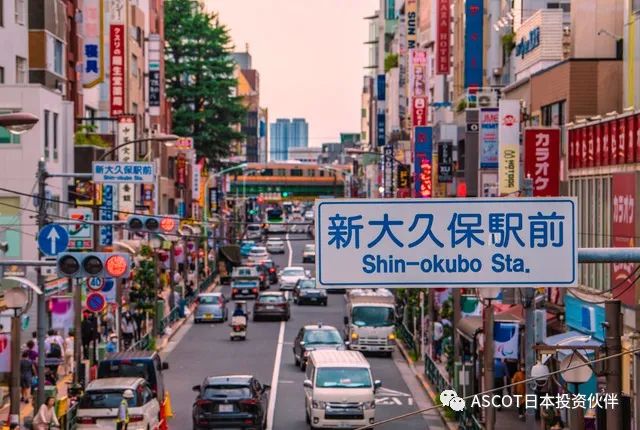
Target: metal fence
[
  {"x": 406, "y": 336},
  {"x": 434, "y": 375}
]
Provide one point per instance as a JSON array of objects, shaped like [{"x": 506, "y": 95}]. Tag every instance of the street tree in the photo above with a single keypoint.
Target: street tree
[{"x": 200, "y": 78}]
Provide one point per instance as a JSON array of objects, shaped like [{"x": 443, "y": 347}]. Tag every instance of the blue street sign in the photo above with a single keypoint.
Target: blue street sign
[
  {"x": 95, "y": 283},
  {"x": 53, "y": 239},
  {"x": 96, "y": 302}
]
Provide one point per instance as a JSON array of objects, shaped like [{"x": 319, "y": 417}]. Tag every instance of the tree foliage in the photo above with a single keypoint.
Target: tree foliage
[{"x": 199, "y": 78}]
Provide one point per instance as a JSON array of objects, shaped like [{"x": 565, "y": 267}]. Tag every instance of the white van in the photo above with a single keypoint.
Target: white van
[{"x": 339, "y": 390}]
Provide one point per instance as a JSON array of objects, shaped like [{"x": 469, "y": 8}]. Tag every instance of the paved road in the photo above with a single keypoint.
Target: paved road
[{"x": 201, "y": 350}]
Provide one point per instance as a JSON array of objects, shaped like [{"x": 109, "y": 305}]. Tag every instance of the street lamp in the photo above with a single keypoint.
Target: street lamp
[
  {"x": 18, "y": 122},
  {"x": 15, "y": 299},
  {"x": 156, "y": 138}
]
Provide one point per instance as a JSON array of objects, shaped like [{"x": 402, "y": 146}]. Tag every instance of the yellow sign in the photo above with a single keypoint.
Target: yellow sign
[{"x": 509, "y": 169}]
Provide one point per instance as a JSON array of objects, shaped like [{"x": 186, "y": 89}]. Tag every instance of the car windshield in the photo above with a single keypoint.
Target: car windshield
[
  {"x": 322, "y": 337},
  {"x": 373, "y": 316},
  {"x": 245, "y": 284},
  {"x": 259, "y": 250},
  {"x": 245, "y": 272},
  {"x": 128, "y": 369},
  {"x": 343, "y": 377},
  {"x": 253, "y": 227},
  {"x": 307, "y": 284},
  {"x": 275, "y": 242},
  {"x": 226, "y": 391},
  {"x": 271, "y": 299},
  {"x": 104, "y": 399},
  {"x": 268, "y": 264},
  {"x": 209, "y": 300},
  {"x": 293, "y": 272},
  {"x": 248, "y": 243}
]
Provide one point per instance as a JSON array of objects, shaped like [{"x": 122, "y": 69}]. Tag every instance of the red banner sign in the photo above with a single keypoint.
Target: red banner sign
[
  {"x": 443, "y": 38},
  {"x": 117, "y": 63},
  {"x": 181, "y": 170},
  {"x": 419, "y": 111},
  {"x": 542, "y": 160},
  {"x": 623, "y": 232},
  {"x": 605, "y": 143}
]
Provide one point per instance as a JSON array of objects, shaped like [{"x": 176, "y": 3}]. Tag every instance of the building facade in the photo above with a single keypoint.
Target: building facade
[{"x": 285, "y": 134}]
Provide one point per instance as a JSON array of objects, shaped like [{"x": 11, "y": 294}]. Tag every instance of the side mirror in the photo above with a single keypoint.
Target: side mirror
[
  {"x": 307, "y": 383},
  {"x": 165, "y": 365},
  {"x": 196, "y": 388},
  {"x": 377, "y": 384},
  {"x": 346, "y": 320},
  {"x": 346, "y": 344}
]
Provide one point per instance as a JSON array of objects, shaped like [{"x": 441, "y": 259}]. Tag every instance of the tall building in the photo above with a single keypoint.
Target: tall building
[
  {"x": 248, "y": 88},
  {"x": 286, "y": 134}
]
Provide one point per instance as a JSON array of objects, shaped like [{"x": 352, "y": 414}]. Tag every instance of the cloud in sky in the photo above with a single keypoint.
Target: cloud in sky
[{"x": 310, "y": 55}]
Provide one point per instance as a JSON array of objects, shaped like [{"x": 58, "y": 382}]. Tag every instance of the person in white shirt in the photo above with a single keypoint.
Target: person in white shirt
[
  {"x": 69, "y": 345},
  {"x": 53, "y": 336},
  {"x": 438, "y": 334}
]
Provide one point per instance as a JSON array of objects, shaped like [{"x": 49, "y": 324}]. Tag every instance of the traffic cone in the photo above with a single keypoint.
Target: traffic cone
[{"x": 168, "y": 412}]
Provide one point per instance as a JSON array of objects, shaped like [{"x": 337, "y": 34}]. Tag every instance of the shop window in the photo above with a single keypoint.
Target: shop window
[{"x": 553, "y": 115}]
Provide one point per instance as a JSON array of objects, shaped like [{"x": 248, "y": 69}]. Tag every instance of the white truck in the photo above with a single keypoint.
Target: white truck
[{"x": 369, "y": 321}]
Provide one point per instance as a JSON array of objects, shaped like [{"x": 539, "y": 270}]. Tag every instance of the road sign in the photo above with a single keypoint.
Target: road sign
[
  {"x": 109, "y": 290},
  {"x": 53, "y": 239},
  {"x": 95, "y": 283},
  {"x": 81, "y": 234},
  {"x": 96, "y": 302},
  {"x": 121, "y": 172},
  {"x": 447, "y": 242}
]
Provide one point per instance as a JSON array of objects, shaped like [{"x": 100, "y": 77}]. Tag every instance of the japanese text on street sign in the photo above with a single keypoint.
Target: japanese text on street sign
[
  {"x": 471, "y": 242},
  {"x": 92, "y": 31},
  {"x": 120, "y": 172}
]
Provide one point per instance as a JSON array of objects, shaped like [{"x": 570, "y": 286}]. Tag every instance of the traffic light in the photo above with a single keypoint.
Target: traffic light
[
  {"x": 93, "y": 264},
  {"x": 152, "y": 224},
  {"x": 285, "y": 194}
]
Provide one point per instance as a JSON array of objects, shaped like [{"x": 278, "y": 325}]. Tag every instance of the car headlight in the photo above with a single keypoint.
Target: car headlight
[
  {"x": 354, "y": 336},
  {"x": 391, "y": 337},
  {"x": 369, "y": 405},
  {"x": 318, "y": 404}
]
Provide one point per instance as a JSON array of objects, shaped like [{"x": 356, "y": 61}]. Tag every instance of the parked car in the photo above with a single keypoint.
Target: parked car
[
  {"x": 307, "y": 291},
  {"x": 210, "y": 307},
  {"x": 254, "y": 231},
  {"x": 246, "y": 246},
  {"x": 315, "y": 337},
  {"x": 245, "y": 289},
  {"x": 271, "y": 305},
  {"x": 237, "y": 401},
  {"x": 275, "y": 246},
  {"x": 309, "y": 253},
  {"x": 272, "y": 270},
  {"x": 141, "y": 364},
  {"x": 98, "y": 407},
  {"x": 290, "y": 276},
  {"x": 257, "y": 253}
]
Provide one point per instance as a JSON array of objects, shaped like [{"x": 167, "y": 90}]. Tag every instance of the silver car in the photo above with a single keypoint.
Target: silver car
[
  {"x": 275, "y": 246},
  {"x": 211, "y": 307}
]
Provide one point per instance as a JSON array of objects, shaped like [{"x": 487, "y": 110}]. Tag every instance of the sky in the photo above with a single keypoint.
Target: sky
[{"x": 310, "y": 55}]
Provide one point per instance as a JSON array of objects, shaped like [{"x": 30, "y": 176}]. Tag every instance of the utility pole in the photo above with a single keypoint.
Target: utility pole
[
  {"x": 614, "y": 365},
  {"x": 457, "y": 306},
  {"x": 490, "y": 412},
  {"x": 41, "y": 300},
  {"x": 77, "y": 336}
]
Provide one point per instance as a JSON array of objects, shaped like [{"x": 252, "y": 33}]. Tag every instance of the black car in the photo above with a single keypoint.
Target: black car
[
  {"x": 237, "y": 401},
  {"x": 272, "y": 270},
  {"x": 314, "y": 337},
  {"x": 264, "y": 276},
  {"x": 306, "y": 291}
]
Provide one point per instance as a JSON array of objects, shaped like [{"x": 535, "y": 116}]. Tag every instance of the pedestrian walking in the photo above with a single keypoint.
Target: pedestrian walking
[
  {"x": 122, "y": 420},
  {"x": 138, "y": 316},
  {"x": 128, "y": 328},
  {"x": 500, "y": 375},
  {"x": 26, "y": 376},
  {"x": 46, "y": 416},
  {"x": 32, "y": 349},
  {"x": 520, "y": 388},
  {"x": 108, "y": 323},
  {"x": 55, "y": 356},
  {"x": 438, "y": 334},
  {"x": 69, "y": 347}
]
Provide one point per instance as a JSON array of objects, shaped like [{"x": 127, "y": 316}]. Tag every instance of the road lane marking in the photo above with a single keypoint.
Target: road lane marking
[{"x": 273, "y": 396}]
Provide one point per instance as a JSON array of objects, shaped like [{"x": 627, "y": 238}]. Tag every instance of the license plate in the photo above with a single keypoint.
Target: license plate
[
  {"x": 208, "y": 316},
  {"x": 225, "y": 408},
  {"x": 314, "y": 299},
  {"x": 245, "y": 291},
  {"x": 269, "y": 307}
]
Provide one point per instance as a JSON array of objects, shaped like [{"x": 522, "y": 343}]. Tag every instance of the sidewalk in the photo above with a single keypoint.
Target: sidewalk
[
  {"x": 506, "y": 419},
  {"x": 26, "y": 410}
]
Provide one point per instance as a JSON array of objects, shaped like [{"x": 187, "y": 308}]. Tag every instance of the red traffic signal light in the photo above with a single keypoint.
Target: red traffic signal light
[
  {"x": 93, "y": 264},
  {"x": 152, "y": 224},
  {"x": 168, "y": 225}
]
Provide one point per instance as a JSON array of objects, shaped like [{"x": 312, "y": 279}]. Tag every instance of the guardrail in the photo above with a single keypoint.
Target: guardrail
[
  {"x": 434, "y": 375},
  {"x": 406, "y": 336},
  {"x": 468, "y": 421},
  {"x": 68, "y": 420}
]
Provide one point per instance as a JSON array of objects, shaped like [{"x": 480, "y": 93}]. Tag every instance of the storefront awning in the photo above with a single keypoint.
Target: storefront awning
[
  {"x": 572, "y": 339},
  {"x": 470, "y": 326}
]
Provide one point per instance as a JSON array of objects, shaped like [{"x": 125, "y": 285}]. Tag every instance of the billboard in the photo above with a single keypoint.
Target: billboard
[
  {"x": 93, "y": 33},
  {"x": 624, "y": 190},
  {"x": 443, "y": 37},
  {"x": 423, "y": 161},
  {"x": 418, "y": 73},
  {"x": 419, "y": 112},
  {"x": 473, "y": 43},
  {"x": 542, "y": 160},
  {"x": 489, "y": 138},
  {"x": 126, "y": 132},
  {"x": 509, "y": 146},
  {"x": 445, "y": 161},
  {"x": 411, "y": 11}
]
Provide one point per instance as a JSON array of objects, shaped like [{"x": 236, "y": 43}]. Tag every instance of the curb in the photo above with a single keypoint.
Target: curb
[
  {"x": 426, "y": 386},
  {"x": 165, "y": 341}
]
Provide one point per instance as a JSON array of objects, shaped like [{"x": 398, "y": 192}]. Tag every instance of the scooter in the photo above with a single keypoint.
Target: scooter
[{"x": 239, "y": 325}]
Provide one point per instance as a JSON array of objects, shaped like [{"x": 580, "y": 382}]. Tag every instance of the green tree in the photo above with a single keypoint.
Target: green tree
[{"x": 199, "y": 78}]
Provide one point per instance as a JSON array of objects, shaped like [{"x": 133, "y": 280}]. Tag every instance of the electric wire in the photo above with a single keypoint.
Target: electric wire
[{"x": 493, "y": 390}]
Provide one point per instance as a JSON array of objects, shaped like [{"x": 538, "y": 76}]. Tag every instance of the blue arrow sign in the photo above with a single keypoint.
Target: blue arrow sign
[{"x": 53, "y": 239}]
